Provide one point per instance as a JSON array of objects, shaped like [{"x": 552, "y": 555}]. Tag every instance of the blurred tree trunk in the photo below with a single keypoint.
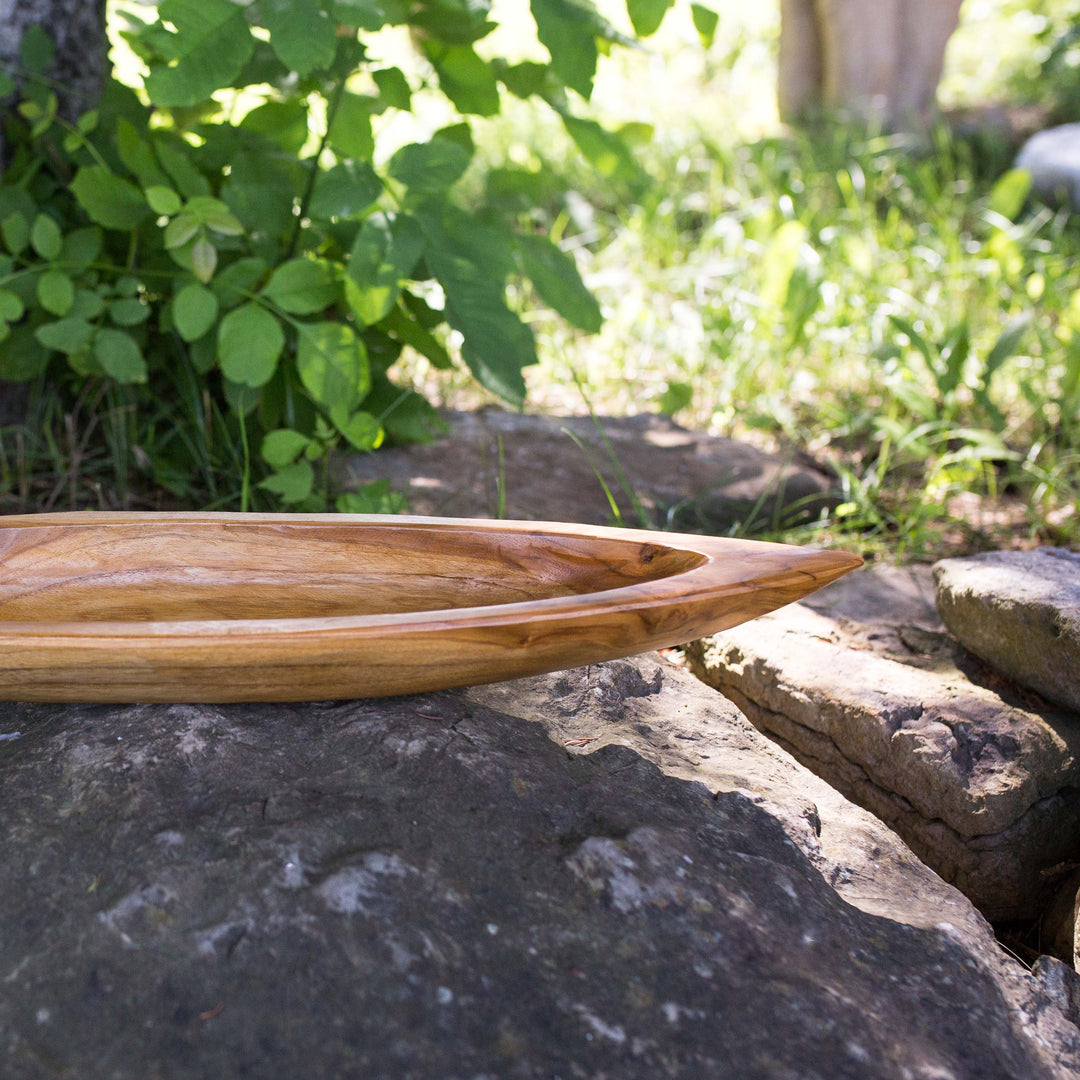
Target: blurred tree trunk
[
  {"x": 77, "y": 30},
  {"x": 879, "y": 60}
]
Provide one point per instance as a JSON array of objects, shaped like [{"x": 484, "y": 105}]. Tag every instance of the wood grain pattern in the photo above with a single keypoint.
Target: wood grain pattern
[{"x": 292, "y": 607}]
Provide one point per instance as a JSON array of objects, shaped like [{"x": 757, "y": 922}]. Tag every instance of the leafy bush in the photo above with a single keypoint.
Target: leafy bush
[
  {"x": 1051, "y": 75},
  {"x": 236, "y": 264}
]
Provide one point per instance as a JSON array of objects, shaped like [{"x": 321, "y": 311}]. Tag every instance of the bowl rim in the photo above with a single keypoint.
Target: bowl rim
[{"x": 707, "y": 578}]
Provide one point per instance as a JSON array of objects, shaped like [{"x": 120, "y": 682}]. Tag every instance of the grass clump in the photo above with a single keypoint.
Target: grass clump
[{"x": 897, "y": 308}]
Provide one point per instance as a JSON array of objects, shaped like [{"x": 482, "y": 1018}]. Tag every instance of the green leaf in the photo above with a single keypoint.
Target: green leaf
[
  {"x": 520, "y": 189},
  {"x": 120, "y": 356},
  {"x": 163, "y": 200},
  {"x": 173, "y": 153},
  {"x": 647, "y": 15},
  {"x": 429, "y": 167},
  {"x": 137, "y": 155},
  {"x": 238, "y": 281},
  {"x": 284, "y": 446},
  {"x": 82, "y": 247},
  {"x": 108, "y": 199},
  {"x": 261, "y": 190},
  {"x": 1010, "y": 192},
  {"x": 47, "y": 117},
  {"x": 22, "y": 356},
  {"x": 705, "y": 23},
  {"x": 411, "y": 333},
  {"x": 365, "y": 14},
  {"x": 16, "y": 233},
  {"x": 460, "y": 134},
  {"x": 206, "y": 52},
  {"x": 1006, "y": 347},
  {"x": 780, "y": 260},
  {"x": 362, "y": 430},
  {"x": 203, "y": 353},
  {"x": 130, "y": 312},
  {"x": 384, "y": 253},
  {"x": 486, "y": 243},
  {"x": 346, "y": 190},
  {"x": 203, "y": 259},
  {"x": 7, "y": 85},
  {"x": 46, "y": 238},
  {"x": 917, "y": 340},
  {"x": 464, "y": 78},
  {"x": 350, "y": 130},
  {"x": 393, "y": 88},
  {"x": 636, "y": 133},
  {"x": 180, "y": 230},
  {"x": 240, "y": 397},
  {"x": 213, "y": 214},
  {"x": 374, "y": 498},
  {"x": 194, "y": 311},
  {"x": 603, "y": 149},
  {"x": 452, "y": 21},
  {"x": 406, "y": 415},
  {"x": 558, "y": 282},
  {"x": 954, "y": 354},
  {"x": 332, "y": 364},
  {"x": 11, "y": 307},
  {"x": 300, "y": 33},
  {"x": 497, "y": 344},
  {"x": 88, "y": 304},
  {"x": 676, "y": 397},
  {"x": 36, "y": 50},
  {"x": 250, "y": 341},
  {"x": 55, "y": 292},
  {"x": 525, "y": 79},
  {"x": 303, "y": 286},
  {"x": 284, "y": 123},
  {"x": 565, "y": 31},
  {"x": 293, "y": 483}
]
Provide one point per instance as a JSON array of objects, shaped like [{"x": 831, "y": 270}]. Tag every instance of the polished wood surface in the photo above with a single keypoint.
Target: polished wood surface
[{"x": 293, "y": 607}]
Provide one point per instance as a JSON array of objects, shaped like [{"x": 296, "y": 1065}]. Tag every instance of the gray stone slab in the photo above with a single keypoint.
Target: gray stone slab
[
  {"x": 986, "y": 790},
  {"x": 1052, "y": 157},
  {"x": 884, "y": 595},
  {"x": 459, "y": 885},
  {"x": 546, "y": 467},
  {"x": 1020, "y": 612}
]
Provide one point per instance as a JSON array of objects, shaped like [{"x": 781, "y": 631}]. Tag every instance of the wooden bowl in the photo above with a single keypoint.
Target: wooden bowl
[{"x": 301, "y": 607}]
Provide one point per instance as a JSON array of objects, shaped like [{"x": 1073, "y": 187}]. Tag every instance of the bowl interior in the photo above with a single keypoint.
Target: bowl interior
[{"x": 216, "y": 570}]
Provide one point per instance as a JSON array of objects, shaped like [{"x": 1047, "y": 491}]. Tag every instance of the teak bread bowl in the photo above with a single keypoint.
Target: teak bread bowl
[{"x": 214, "y": 607}]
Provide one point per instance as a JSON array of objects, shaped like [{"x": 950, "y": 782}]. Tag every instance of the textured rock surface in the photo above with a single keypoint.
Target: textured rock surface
[
  {"x": 437, "y": 887},
  {"x": 1053, "y": 159},
  {"x": 680, "y": 477},
  {"x": 985, "y": 789},
  {"x": 1058, "y": 929},
  {"x": 1020, "y": 612}
]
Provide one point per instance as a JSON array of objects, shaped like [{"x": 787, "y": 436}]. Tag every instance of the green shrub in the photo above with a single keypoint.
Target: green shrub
[{"x": 237, "y": 263}]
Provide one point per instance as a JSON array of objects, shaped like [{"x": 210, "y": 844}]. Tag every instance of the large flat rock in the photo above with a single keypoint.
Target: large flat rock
[
  {"x": 984, "y": 787},
  {"x": 547, "y": 467},
  {"x": 1052, "y": 158},
  {"x": 596, "y": 873},
  {"x": 1020, "y": 612}
]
